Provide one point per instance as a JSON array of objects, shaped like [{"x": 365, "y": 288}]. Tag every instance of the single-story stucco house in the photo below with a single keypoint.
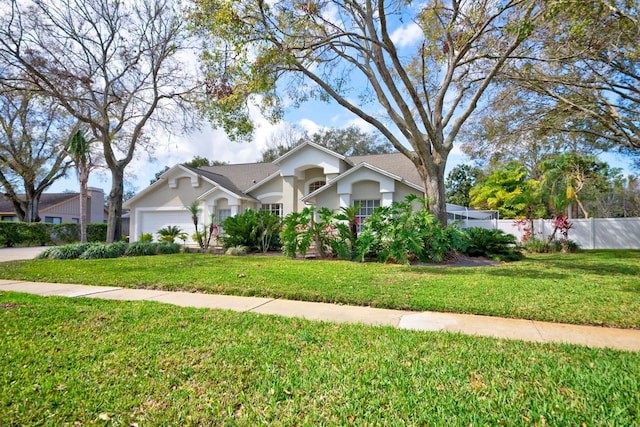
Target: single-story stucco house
[
  {"x": 309, "y": 174},
  {"x": 58, "y": 208}
]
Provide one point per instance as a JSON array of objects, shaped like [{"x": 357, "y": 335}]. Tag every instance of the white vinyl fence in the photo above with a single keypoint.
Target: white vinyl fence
[{"x": 591, "y": 233}]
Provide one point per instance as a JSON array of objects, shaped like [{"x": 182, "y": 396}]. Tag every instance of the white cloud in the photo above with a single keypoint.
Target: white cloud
[{"x": 407, "y": 35}]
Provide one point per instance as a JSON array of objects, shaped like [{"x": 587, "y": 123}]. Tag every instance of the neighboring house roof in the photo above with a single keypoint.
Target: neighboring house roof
[{"x": 47, "y": 201}]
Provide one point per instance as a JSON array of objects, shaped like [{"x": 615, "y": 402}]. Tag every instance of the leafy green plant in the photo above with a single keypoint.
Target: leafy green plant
[
  {"x": 96, "y": 232},
  {"x": 495, "y": 244},
  {"x": 140, "y": 248},
  {"x": 70, "y": 251},
  {"x": 400, "y": 233},
  {"x": 166, "y": 248},
  {"x": 257, "y": 230},
  {"x": 169, "y": 233},
  {"x": 67, "y": 232},
  {"x": 99, "y": 251},
  {"x": 146, "y": 238},
  {"x": 537, "y": 246},
  {"x": 118, "y": 248},
  {"x": 297, "y": 233},
  {"x": 13, "y": 233}
]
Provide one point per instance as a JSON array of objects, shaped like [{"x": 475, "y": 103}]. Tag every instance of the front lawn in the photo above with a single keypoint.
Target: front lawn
[
  {"x": 82, "y": 361},
  {"x": 591, "y": 287}
]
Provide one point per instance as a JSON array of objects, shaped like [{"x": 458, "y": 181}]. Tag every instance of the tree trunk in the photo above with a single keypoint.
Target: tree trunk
[
  {"x": 114, "y": 219},
  {"x": 31, "y": 206},
  {"x": 433, "y": 182},
  {"x": 84, "y": 178}
]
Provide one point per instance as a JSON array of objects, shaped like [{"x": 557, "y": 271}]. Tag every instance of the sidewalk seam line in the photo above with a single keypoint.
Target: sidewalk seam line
[
  {"x": 96, "y": 293},
  {"x": 261, "y": 305},
  {"x": 533, "y": 322}
]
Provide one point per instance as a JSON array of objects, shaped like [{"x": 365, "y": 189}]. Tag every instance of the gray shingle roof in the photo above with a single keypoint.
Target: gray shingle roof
[
  {"x": 241, "y": 176},
  {"x": 395, "y": 163},
  {"x": 47, "y": 200}
]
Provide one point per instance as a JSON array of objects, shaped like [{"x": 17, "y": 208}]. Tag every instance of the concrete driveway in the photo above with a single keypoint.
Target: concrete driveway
[{"x": 15, "y": 254}]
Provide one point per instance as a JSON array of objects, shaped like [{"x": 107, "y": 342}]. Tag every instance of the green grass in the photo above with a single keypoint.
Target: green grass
[
  {"x": 97, "y": 362},
  {"x": 597, "y": 288}
]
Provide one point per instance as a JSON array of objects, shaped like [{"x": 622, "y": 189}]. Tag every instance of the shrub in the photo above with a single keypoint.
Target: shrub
[
  {"x": 13, "y": 233},
  {"x": 99, "y": 251},
  {"x": 146, "y": 238},
  {"x": 118, "y": 248},
  {"x": 257, "y": 230},
  {"x": 401, "y": 233},
  {"x": 140, "y": 248},
  {"x": 167, "y": 248},
  {"x": 96, "y": 232},
  {"x": 537, "y": 246},
  {"x": 72, "y": 251},
  {"x": 495, "y": 244},
  {"x": 39, "y": 234},
  {"x": 47, "y": 253},
  {"x": 67, "y": 232}
]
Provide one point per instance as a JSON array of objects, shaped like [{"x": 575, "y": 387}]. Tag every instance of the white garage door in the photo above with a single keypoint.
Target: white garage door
[{"x": 152, "y": 221}]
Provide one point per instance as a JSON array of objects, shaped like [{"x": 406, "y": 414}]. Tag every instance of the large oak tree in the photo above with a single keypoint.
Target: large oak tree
[
  {"x": 32, "y": 148},
  {"x": 416, "y": 92},
  {"x": 581, "y": 73},
  {"x": 112, "y": 64}
]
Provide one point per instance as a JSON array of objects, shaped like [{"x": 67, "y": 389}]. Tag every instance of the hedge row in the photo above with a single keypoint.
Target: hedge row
[
  {"x": 97, "y": 250},
  {"x": 40, "y": 233}
]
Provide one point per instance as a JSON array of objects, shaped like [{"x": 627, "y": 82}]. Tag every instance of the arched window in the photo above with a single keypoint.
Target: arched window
[{"x": 315, "y": 185}]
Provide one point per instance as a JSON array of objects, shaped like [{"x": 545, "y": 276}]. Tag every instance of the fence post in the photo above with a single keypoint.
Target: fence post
[{"x": 593, "y": 233}]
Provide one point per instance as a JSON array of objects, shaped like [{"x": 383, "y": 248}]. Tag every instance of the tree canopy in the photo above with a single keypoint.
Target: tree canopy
[
  {"x": 112, "y": 65},
  {"x": 581, "y": 71},
  {"x": 32, "y": 148},
  {"x": 417, "y": 92}
]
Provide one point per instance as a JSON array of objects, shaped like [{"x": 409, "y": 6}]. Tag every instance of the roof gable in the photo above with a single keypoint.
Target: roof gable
[
  {"x": 394, "y": 163},
  {"x": 310, "y": 155},
  {"x": 355, "y": 170}
]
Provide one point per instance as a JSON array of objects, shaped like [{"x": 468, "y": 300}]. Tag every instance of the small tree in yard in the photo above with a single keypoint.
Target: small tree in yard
[
  {"x": 562, "y": 225},
  {"x": 202, "y": 236}
]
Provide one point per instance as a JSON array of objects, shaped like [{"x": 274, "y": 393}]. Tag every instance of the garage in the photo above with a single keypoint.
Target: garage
[{"x": 150, "y": 221}]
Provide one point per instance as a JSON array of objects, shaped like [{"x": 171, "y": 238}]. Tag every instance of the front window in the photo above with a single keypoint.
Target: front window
[
  {"x": 315, "y": 185},
  {"x": 221, "y": 215},
  {"x": 53, "y": 219},
  {"x": 9, "y": 218},
  {"x": 274, "y": 208},
  {"x": 366, "y": 209}
]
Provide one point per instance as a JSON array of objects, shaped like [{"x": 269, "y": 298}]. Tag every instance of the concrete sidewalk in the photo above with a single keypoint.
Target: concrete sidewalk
[{"x": 517, "y": 329}]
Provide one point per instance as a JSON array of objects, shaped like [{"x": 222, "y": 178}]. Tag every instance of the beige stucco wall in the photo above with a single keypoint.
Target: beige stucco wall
[
  {"x": 328, "y": 199},
  {"x": 403, "y": 190},
  {"x": 365, "y": 190},
  {"x": 163, "y": 195},
  {"x": 270, "y": 192}
]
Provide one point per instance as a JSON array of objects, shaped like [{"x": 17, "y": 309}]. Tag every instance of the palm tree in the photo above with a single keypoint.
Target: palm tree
[{"x": 80, "y": 151}]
